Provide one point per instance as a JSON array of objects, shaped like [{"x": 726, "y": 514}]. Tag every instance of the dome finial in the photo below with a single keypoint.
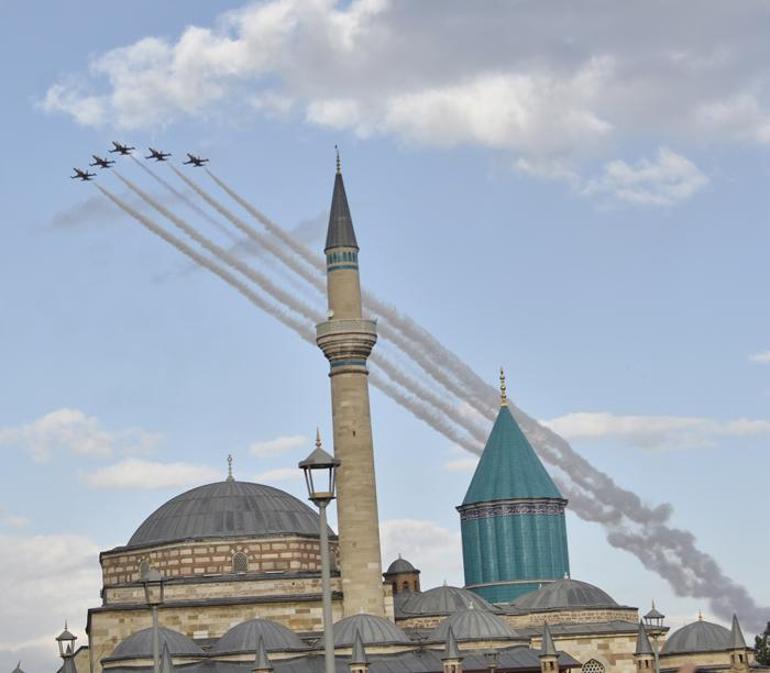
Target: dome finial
[
  {"x": 339, "y": 164},
  {"x": 503, "y": 397},
  {"x": 317, "y": 438},
  {"x": 230, "y": 467},
  {"x": 700, "y": 615}
]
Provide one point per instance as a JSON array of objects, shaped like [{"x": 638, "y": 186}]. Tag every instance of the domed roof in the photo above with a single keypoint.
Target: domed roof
[
  {"x": 374, "y": 631},
  {"x": 566, "y": 593},
  {"x": 227, "y": 509},
  {"x": 139, "y": 645},
  {"x": 445, "y": 600},
  {"x": 244, "y": 637},
  {"x": 472, "y": 624},
  {"x": 700, "y": 636},
  {"x": 400, "y": 565}
]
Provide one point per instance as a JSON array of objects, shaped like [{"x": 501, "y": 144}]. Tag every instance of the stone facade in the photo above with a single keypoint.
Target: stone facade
[
  {"x": 215, "y": 557},
  {"x": 613, "y": 651}
]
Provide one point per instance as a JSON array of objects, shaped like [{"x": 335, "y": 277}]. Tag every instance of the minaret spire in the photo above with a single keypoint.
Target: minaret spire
[
  {"x": 346, "y": 340},
  {"x": 503, "y": 396}
]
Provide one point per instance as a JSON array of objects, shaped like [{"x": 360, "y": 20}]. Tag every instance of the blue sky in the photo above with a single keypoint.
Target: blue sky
[{"x": 581, "y": 198}]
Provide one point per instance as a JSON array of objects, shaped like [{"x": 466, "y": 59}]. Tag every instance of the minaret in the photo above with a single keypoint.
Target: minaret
[{"x": 346, "y": 340}]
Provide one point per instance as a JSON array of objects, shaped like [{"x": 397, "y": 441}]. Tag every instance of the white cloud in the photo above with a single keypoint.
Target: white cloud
[
  {"x": 72, "y": 430},
  {"x": 279, "y": 474},
  {"x": 435, "y": 551},
  {"x": 279, "y": 445},
  {"x": 462, "y": 465},
  {"x": 664, "y": 181},
  {"x": 654, "y": 432},
  {"x": 143, "y": 474},
  {"x": 762, "y": 358},
  {"x": 549, "y": 90},
  {"x": 44, "y": 579},
  {"x": 12, "y": 520}
]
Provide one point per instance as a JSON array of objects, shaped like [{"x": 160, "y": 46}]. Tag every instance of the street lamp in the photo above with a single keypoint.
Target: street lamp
[
  {"x": 66, "y": 641},
  {"x": 320, "y": 477},
  {"x": 152, "y": 581}
]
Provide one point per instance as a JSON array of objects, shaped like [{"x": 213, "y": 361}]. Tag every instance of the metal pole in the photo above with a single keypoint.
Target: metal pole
[
  {"x": 326, "y": 592},
  {"x": 155, "y": 640}
]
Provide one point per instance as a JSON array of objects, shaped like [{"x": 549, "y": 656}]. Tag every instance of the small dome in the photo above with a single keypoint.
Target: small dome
[
  {"x": 474, "y": 624},
  {"x": 374, "y": 631},
  {"x": 227, "y": 509},
  {"x": 445, "y": 600},
  {"x": 400, "y": 565},
  {"x": 700, "y": 636},
  {"x": 566, "y": 593},
  {"x": 139, "y": 645},
  {"x": 244, "y": 637}
]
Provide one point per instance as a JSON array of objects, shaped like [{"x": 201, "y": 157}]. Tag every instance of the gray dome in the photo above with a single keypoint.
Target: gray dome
[
  {"x": 227, "y": 509},
  {"x": 699, "y": 636},
  {"x": 474, "y": 625},
  {"x": 244, "y": 637},
  {"x": 445, "y": 600},
  {"x": 400, "y": 565},
  {"x": 139, "y": 645},
  {"x": 373, "y": 630},
  {"x": 566, "y": 593}
]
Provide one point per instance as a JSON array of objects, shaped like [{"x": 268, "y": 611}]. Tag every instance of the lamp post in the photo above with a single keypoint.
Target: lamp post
[
  {"x": 320, "y": 476},
  {"x": 66, "y": 641},
  {"x": 152, "y": 581}
]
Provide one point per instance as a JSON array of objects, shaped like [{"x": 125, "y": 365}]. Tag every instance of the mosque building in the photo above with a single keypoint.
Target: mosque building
[{"x": 238, "y": 564}]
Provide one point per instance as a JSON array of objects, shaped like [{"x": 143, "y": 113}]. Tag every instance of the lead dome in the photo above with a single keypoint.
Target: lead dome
[
  {"x": 566, "y": 593},
  {"x": 227, "y": 509},
  {"x": 139, "y": 645},
  {"x": 243, "y": 638},
  {"x": 700, "y": 636}
]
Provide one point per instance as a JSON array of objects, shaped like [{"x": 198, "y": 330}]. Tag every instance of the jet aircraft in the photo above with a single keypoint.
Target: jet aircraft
[
  {"x": 101, "y": 163},
  {"x": 195, "y": 161},
  {"x": 122, "y": 149},
  {"x": 158, "y": 155},
  {"x": 82, "y": 175}
]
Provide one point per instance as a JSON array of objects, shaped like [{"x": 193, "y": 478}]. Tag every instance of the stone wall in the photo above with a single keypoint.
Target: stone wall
[
  {"x": 614, "y": 652},
  {"x": 582, "y": 616},
  {"x": 215, "y": 557}
]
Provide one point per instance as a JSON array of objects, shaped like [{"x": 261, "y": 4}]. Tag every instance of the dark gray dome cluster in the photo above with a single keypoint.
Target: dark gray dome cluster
[
  {"x": 227, "y": 509},
  {"x": 139, "y": 645},
  {"x": 243, "y": 638},
  {"x": 700, "y": 636},
  {"x": 566, "y": 593},
  {"x": 443, "y": 600},
  {"x": 472, "y": 624},
  {"x": 374, "y": 631}
]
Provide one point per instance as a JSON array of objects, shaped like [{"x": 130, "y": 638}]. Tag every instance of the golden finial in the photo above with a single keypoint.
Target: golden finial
[
  {"x": 230, "y": 468},
  {"x": 503, "y": 398},
  {"x": 317, "y": 438},
  {"x": 339, "y": 164},
  {"x": 700, "y": 615}
]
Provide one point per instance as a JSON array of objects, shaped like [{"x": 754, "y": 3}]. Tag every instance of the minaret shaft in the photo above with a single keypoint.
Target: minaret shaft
[{"x": 346, "y": 340}]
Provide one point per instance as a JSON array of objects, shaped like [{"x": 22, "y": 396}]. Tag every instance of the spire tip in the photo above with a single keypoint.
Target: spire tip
[
  {"x": 230, "y": 468},
  {"x": 339, "y": 163},
  {"x": 503, "y": 396}
]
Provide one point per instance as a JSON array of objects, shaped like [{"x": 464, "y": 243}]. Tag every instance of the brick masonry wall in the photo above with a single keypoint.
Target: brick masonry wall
[{"x": 215, "y": 557}]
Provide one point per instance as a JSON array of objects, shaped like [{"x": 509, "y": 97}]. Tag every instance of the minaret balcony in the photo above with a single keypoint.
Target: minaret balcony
[{"x": 347, "y": 341}]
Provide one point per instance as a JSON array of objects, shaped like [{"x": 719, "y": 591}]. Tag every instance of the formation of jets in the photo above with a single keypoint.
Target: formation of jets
[{"x": 126, "y": 150}]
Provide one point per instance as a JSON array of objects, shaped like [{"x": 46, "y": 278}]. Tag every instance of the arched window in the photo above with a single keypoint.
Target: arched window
[
  {"x": 240, "y": 562},
  {"x": 593, "y": 666}
]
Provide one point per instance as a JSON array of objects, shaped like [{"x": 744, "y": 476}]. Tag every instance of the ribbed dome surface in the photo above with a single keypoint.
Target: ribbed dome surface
[
  {"x": 139, "y": 645},
  {"x": 227, "y": 509},
  {"x": 700, "y": 636},
  {"x": 474, "y": 625},
  {"x": 244, "y": 637},
  {"x": 566, "y": 593},
  {"x": 400, "y": 565},
  {"x": 374, "y": 631},
  {"x": 445, "y": 601}
]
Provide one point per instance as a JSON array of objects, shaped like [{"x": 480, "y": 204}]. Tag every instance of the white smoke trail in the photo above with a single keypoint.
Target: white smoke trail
[
  {"x": 289, "y": 260},
  {"x": 260, "y": 279},
  {"x": 186, "y": 200},
  {"x": 300, "y": 327}
]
